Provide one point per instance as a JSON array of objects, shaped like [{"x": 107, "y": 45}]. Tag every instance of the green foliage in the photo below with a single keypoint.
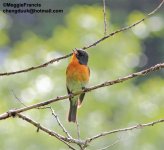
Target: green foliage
[
  {"x": 104, "y": 109},
  {"x": 3, "y": 33}
]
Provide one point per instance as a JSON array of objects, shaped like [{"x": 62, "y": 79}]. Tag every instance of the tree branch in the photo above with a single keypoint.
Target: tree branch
[
  {"x": 125, "y": 28},
  {"x": 85, "y": 47},
  {"x": 84, "y": 144},
  {"x": 107, "y": 83},
  {"x": 139, "y": 126},
  {"x": 109, "y": 146},
  {"x": 68, "y": 139},
  {"x": 57, "y": 119},
  {"x": 105, "y": 22},
  {"x": 48, "y": 131},
  {"x": 36, "y": 67}
]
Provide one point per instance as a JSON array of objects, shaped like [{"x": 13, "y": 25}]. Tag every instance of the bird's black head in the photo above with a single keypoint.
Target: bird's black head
[{"x": 82, "y": 56}]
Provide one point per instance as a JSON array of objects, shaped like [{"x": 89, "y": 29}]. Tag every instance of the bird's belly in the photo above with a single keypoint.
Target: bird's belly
[
  {"x": 77, "y": 77},
  {"x": 74, "y": 85}
]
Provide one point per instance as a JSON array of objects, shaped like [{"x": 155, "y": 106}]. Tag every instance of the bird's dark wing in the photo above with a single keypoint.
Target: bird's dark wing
[
  {"x": 89, "y": 71},
  {"x": 81, "y": 97}
]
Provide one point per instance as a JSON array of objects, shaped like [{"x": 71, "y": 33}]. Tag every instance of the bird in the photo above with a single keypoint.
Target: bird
[{"x": 77, "y": 77}]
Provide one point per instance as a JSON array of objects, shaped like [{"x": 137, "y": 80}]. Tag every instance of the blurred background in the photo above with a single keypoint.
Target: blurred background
[{"x": 31, "y": 39}]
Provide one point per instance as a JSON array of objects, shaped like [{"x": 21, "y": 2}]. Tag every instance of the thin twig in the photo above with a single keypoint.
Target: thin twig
[
  {"x": 139, "y": 126},
  {"x": 105, "y": 22},
  {"x": 85, "y": 47},
  {"x": 18, "y": 98},
  {"x": 59, "y": 123},
  {"x": 69, "y": 139},
  {"x": 125, "y": 28},
  {"x": 84, "y": 144},
  {"x": 107, "y": 83},
  {"x": 36, "y": 67},
  {"x": 78, "y": 130},
  {"x": 109, "y": 146},
  {"x": 46, "y": 130},
  {"x": 156, "y": 9},
  {"x": 53, "y": 113},
  {"x": 62, "y": 127}
]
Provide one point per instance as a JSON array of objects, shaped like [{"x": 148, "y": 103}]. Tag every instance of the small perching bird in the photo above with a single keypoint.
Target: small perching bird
[{"x": 77, "y": 76}]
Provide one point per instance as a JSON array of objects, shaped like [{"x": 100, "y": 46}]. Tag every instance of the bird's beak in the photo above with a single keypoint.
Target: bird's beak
[{"x": 75, "y": 51}]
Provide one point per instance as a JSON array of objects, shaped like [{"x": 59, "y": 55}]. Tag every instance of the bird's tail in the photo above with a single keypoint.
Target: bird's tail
[{"x": 72, "y": 112}]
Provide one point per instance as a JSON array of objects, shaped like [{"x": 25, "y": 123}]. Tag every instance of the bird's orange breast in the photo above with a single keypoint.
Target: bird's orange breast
[{"x": 76, "y": 71}]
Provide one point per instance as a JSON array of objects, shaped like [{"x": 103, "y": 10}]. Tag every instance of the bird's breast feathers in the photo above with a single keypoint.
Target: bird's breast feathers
[{"x": 78, "y": 72}]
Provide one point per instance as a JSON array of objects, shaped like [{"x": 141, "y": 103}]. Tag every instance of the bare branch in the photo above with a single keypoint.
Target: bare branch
[
  {"x": 60, "y": 124},
  {"x": 68, "y": 139},
  {"x": 58, "y": 121},
  {"x": 85, "y": 47},
  {"x": 84, "y": 144},
  {"x": 125, "y": 28},
  {"x": 107, "y": 83},
  {"x": 105, "y": 22},
  {"x": 156, "y": 9},
  {"x": 107, "y": 147},
  {"x": 18, "y": 99},
  {"x": 63, "y": 128},
  {"x": 36, "y": 67},
  {"x": 139, "y": 126},
  {"x": 78, "y": 130},
  {"x": 48, "y": 131}
]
